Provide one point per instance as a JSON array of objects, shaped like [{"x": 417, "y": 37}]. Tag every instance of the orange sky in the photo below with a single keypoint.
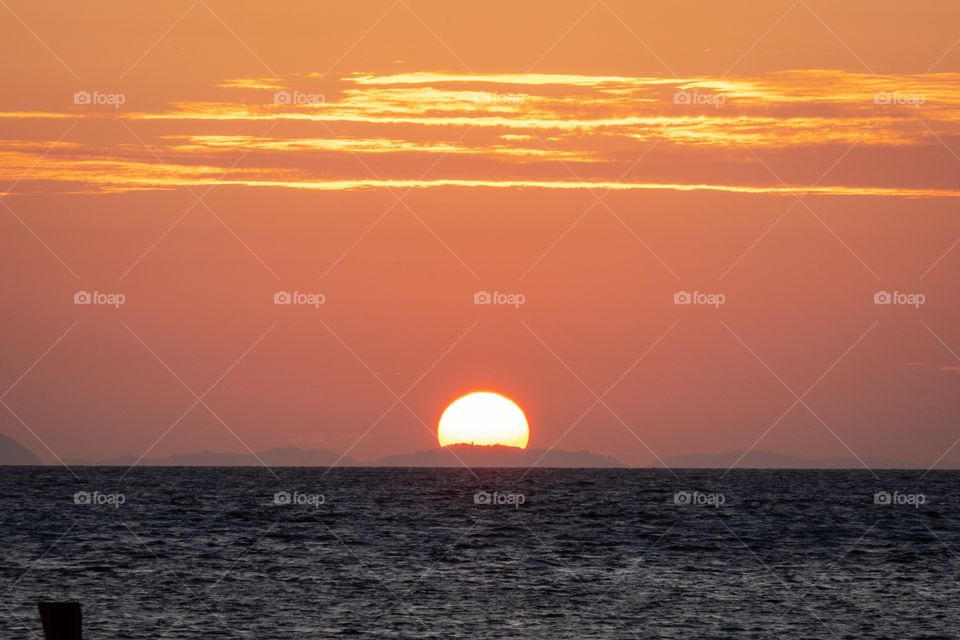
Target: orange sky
[{"x": 197, "y": 157}]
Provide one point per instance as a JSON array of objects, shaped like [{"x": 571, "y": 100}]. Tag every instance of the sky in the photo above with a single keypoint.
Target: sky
[{"x": 703, "y": 226}]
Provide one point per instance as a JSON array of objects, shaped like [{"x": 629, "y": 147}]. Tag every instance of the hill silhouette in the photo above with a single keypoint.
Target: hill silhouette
[
  {"x": 458, "y": 455},
  {"x": 278, "y": 457},
  {"x": 452, "y": 456},
  {"x": 14, "y": 453}
]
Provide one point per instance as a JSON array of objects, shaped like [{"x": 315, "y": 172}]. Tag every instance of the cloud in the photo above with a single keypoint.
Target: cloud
[{"x": 557, "y": 131}]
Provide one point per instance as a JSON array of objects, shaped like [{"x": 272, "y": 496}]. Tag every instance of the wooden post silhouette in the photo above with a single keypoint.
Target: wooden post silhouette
[{"x": 61, "y": 620}]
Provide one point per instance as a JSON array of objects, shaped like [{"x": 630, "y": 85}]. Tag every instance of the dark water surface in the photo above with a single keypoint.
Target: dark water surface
[{"x": 408, "y": 553}]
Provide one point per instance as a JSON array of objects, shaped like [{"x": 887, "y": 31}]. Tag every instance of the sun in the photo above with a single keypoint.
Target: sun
[{"x": 483, "y": 418}]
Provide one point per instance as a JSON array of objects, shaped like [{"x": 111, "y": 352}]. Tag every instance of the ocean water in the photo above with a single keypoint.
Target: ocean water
[{"x": 489, "y": 553}]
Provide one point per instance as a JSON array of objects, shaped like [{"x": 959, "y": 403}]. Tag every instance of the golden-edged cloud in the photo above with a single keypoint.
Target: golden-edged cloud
[{"x": 517, "y": 131}]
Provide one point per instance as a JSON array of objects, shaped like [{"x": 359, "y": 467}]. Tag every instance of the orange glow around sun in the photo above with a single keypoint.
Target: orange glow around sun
[{"x": 483, "y": 418}]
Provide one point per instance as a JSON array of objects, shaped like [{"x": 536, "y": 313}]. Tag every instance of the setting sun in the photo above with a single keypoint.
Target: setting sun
[{"x": 483, "y": 418}]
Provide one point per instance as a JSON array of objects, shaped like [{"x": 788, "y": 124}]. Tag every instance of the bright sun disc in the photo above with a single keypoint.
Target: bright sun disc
[{"x": 483, "y": 418}]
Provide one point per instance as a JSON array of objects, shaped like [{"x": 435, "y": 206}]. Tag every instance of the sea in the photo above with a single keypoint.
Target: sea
[{"x": 483, "y": 553}]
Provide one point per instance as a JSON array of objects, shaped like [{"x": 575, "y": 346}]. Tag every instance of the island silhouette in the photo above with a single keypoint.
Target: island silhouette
[
  {"x": 457, "y": 455},
  {"x": 12, "y": 453}
]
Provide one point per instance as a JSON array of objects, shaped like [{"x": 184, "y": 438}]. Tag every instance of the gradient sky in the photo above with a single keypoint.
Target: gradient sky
[{"x": 597, "y": 157}]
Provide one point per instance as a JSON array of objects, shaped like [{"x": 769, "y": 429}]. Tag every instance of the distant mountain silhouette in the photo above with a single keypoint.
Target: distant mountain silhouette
[
  {"x": 279, "y": 457},
  {"x": 471, "y": 456},
  {"x": 770, "y": 460},
  {"x": 14, "y": 453},
  {"x": 458, "y": 455}
]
